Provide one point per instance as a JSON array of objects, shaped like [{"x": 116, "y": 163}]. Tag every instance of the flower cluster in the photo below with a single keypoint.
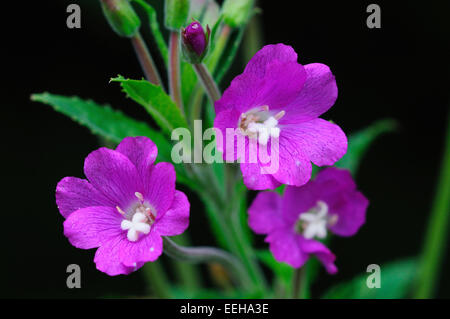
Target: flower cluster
[{"x": 128, "y": 203}]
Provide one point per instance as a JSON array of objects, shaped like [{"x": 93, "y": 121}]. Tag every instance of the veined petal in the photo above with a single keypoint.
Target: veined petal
[
  {"x": 176, "y": 220},
  {"x": 323, "y": 143},
  {"x": 264, "y": 214},
  {"x": 89, "y": 227},
  {"x": 316, "y": 97},
  {"x": 161, "y": 190},
  {"x": 278, "y": 87},
  {"x": 113, "y": 174},
  {"x": 285, "y": 247},
  {"x": 269, "y": 53},
  {"x": 108, "y": 258},
  {"x": 147, "y": 248},
  {"x": 75, "y": 193},
  {"x": 142, "y": 152},
  {"x": 314, "y": 247}
]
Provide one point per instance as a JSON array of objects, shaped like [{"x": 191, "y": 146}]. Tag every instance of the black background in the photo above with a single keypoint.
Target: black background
[{"x": 399, "y": 71}]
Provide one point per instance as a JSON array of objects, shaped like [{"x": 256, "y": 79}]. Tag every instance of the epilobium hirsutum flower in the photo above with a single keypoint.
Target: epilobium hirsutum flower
[
  {"x": 124, "y": 207},
  {"x": 293, "y": 222},
  {"x": 279, "y": 100},
  {"x": 195, "y": 42}
]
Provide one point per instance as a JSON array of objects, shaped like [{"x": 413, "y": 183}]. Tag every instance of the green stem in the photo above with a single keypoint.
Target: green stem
[
  {"x": 187, "y": 274},
  {"x": 221, "y": 42},
  {"x": 156, "y": 279},
  {"x": 154, "y": 27},
  {"x": 145, "y": 59},
  {"x": 174, "y": 69},
  {"x": 208, "y": 254},
  {"x": 437, "y": 229},
  {"x": 208, "y": 82}
]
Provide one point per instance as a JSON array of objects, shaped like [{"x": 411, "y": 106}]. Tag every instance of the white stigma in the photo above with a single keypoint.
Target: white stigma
[
  {"x": 258, "y": 123},
  {"x": 265, "y": 130},
  {"x": 137, "y": 225},
  {"x": 315, "y": 221}
]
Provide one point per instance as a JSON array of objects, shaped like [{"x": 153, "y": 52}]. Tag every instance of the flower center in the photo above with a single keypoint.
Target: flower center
[
  {"x": 259, "y": 123},
  {"x": 315, "y": 222},
  {"x": 139, "y": 220}
]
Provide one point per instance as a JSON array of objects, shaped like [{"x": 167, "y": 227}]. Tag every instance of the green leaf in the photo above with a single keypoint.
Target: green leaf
[
  {"x": 396, "y": 280},
  {"x": 157, "y": 103},
  {"x": 281, "y": 270},
  {"x": 154, "y": 27},
  {"x": 359, "y": 143},
  {"x": 101, "y": 120},
  {"x": 112, "y": 125}
]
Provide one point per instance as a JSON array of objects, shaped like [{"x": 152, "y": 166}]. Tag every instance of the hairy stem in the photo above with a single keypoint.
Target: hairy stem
[
  {"x": 145, "y": 59},
  {"x": 208, "y": 82},
  {"x": 208, "y": 254},
  {"x": 436, "y": 234},
  {"x": 174, "y": 69}
]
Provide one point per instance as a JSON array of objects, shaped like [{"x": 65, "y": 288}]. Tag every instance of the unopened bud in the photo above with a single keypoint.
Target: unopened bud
[
  {"x": 121, "y": 17},
  {"x": 195, "y": 42}
]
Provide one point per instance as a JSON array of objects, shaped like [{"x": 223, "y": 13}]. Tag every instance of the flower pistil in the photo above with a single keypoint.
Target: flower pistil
[
  {"x": 139, "y": 221},
  {"x": 316, "y": 221},
  {"x": 260, "y": 123}
]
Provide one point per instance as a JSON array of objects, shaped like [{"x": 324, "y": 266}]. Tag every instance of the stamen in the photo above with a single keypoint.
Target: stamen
[
  {"x": 120, "y": 210},
  {"x": 139, "y": 196},
  {"x": 279, "y": 115}
]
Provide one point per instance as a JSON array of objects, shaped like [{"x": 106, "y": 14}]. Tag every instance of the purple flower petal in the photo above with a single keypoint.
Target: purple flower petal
[
  {"x": 142, "y": 152},
  {"x": 338, "y": 189},
  {"x": 227, "y": 119},
  {"x": 323, "y": 142},
  {"x": 297, "y": 200},
  {"x": 147, "y": 248},
  {"x": 113, "y": 174},
  {"x": 160, "y": 192},
  {"x": 75, "y": 193},
  {"x": 351, "y": 211},
  {"x": 285, "y": 247},
  {"x": 91, "y": 226},
  {"x": 176, "y": 220},
  {"x": 264, "y": 214},
  {"x": 254, "y": 179},
  {"x": 279, "y": 86},
  {"x": 294, "y": 167},
  {"x": 107, "y": 258},
  {"x": 269, "y": 53},
  {"x": 321, "y": 251},
  {"x": 318, "y": 94}
]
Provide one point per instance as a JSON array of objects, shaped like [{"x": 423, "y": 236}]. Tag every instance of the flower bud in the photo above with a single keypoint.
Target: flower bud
[
  {"x": 236, "y": 12},
  {"x": 121, "y": 17},
  {"x": 195, "y": 42},
  {"x": 176, "y": 13}
]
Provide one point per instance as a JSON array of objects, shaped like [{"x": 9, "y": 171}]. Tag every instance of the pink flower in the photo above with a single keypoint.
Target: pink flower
[
  {"x": 124, "y": 207},
  {"x": 277, "y": 99},
  {"x": 292, "y": 222}
]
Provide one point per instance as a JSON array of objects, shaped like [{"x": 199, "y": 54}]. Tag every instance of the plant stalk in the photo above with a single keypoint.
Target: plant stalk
[
  {"x": 208, "y": 82},
  {"x": 208, "y": 254},
  {"x": 436, "y": 236},
  {"x": 174, "y": 69},
  {"x": 145, "y": 59}
]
